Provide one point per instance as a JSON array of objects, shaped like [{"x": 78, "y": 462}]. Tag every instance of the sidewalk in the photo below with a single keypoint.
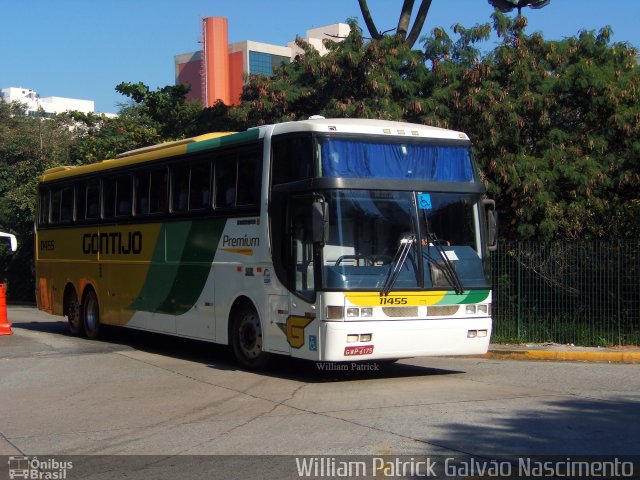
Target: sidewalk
[{"x": 558, "y": 352}]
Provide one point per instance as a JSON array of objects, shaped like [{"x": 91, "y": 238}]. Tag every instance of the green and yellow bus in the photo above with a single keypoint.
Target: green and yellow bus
[{"x": 324, "y": 239}]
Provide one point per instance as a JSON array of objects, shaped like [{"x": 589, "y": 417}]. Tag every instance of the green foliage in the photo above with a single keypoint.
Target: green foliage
[
  {"x": 101, "y": 137},
  {"x": 354, "y": 79},
  {"x": 28, "y": 145},
  {"x": 555, "y": 124},
  {"x": 166, "y": 108}
]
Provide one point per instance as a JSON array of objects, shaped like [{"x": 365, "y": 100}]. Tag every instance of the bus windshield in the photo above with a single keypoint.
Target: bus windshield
[
  {"x": 358, "y": 158},
  {"x": 367, "y": 229}
]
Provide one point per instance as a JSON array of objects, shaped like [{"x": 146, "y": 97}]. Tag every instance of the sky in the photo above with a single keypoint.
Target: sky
[{"x": 84, "y": 48}]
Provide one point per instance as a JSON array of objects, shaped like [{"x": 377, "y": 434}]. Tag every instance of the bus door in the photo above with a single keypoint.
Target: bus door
[
  {"x": 300, "y": 334},
  {"x": 278, "y": 306}
]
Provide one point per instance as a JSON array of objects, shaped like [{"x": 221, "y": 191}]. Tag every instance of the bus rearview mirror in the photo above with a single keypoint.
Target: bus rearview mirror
[
  {"x": 320, "y": 222},
  {"x": 492, "y": 223}
]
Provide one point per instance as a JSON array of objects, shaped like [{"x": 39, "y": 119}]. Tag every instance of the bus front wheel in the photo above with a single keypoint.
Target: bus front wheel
[
  {"x": 246, "y": 338},
  {"x": 91, "y": 315}
]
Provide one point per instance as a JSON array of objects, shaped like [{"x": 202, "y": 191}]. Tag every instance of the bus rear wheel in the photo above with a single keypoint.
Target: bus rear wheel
[
  {"x": 246, "y": 339},
  {"x": 73, "y": 311},
  {"x": 91, "y": 315}
]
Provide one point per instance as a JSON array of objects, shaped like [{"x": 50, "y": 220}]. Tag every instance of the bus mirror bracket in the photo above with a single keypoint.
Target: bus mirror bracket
[
  {"x": 13, "y": 243},
  {"x": 492, "y": 224},
  {"x": 320, "y": 221}
]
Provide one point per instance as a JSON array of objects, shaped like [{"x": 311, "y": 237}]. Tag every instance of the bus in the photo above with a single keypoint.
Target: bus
[{"x": 330, "y": 240}]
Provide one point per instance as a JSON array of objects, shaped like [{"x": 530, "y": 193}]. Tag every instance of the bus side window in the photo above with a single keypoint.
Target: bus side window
[
  {"x": 45, "y": 198},
  {"x": 56, "y": 200},
  {"x": 248, "y": 179},
  {"x": 199, "y": 185},
  {"x": 292, "y": 159},
  {"x": 179, "y": 188},
  {"x": 81, "y": 201},
  {"x": 226, "y": 173},
  {"x": 124, "y": 195},
  {"x": 158, "y": 191},
  {"x": 142, "y": 193},
  {"x": 108, "y": 198},
  {"x": 93, "y": 200},
  {"x": 66, "y": 205}
]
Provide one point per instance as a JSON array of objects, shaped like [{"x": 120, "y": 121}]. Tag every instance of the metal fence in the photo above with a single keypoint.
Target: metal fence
[{"x": 585, "y": 293}]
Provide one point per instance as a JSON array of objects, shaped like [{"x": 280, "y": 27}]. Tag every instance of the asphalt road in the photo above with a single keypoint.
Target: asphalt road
[{"x": 145, "y": 394}]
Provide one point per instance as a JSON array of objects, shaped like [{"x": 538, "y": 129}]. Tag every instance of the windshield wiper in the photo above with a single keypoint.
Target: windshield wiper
[
  {"x": 398, "y": 261},
  {"x": 446, "y": 266}
]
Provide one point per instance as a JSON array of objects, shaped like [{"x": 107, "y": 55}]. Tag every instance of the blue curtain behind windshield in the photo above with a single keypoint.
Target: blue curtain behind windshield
[{"x": 358, "y": 159}]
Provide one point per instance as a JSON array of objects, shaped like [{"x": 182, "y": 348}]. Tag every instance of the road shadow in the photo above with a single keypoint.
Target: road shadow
[
  {"x": 564, "y": 427},
  {"x": 221, "y": 357}
]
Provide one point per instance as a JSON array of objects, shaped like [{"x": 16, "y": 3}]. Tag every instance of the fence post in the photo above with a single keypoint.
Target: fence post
[
  {"x": 519, "y": 280},
  {"x": 619, "y": 292}
]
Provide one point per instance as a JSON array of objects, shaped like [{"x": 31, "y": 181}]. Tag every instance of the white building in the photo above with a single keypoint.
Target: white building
[
  {"x": 336, "y": 32},
  {"x": 49, "y": 105}
]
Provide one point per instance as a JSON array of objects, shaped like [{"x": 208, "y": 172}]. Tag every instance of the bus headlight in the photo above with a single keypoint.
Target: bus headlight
[
  {"x": 335, "y": 312},
  {"x": 470, "y": 309},
  {"x": 366, "y": 312},
  {"x": 353, "y": 312},
  {"x": 483, "y": 309}
]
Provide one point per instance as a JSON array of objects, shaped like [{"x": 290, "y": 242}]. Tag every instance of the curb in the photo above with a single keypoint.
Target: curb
[{"x": 563, "y": 355}]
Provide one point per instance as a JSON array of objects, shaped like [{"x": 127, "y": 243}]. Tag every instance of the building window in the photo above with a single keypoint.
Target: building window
[{"x": 261, "y": 63}]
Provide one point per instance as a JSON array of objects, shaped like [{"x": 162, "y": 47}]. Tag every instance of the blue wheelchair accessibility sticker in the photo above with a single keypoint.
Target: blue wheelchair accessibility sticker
[{"x": 424, "y": 201}]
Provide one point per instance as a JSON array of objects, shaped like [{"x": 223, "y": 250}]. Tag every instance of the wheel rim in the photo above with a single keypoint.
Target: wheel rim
[
  {"x": 91, "y": 313},
  {"x": 250, "y": 335},
  {"x": 74, "y": 313}
]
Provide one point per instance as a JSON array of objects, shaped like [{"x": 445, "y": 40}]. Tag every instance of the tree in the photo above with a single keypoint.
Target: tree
[
  {"x": 555, "y": 127},
  {"x": 354, "y": 79},
  {"x": 30, "y": 144},
  {"x": 409, "y": 37},
  {"x": 101, "y": 137},
  {"x": 165, "y": 109}
]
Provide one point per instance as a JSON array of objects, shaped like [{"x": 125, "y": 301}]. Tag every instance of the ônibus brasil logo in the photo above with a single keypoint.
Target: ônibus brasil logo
[{"x": 21, "y": 466}]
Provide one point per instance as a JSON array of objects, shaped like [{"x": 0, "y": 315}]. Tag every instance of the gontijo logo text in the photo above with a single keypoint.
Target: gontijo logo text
[{"x": 115, "y": 243}]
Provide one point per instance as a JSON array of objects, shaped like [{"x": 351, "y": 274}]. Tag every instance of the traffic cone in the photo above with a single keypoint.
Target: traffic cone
[{"x": 5, "y": 326}]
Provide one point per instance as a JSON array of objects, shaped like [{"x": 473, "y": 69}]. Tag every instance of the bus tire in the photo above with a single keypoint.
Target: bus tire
[
  {"x": 246, "y": 338},
  {"x": 73, "y": 311},
  {"x": 91, "y": 314}
]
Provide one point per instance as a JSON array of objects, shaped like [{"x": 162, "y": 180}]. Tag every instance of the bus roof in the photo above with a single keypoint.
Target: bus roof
[
  {"x": 368, "y": 127},
  {"x": 146, "y": 154},
  {"x": 221, "y": 139}
]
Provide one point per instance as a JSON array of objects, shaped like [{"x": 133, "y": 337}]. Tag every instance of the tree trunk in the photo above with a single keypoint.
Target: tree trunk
[
  {"x": 371, "y": 26},
  {"x": 403, "y": 21},
  {"x": 419, "y": 23},
  {"x": 405, "y": 18}
]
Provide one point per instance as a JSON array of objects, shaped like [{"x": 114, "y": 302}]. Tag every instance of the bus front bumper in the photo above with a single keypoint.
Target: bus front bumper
[{"x": 392, "y": 339}]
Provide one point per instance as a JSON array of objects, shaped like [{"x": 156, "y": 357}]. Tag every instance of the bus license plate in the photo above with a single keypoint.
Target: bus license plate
[{"x": 358, "y": 350}]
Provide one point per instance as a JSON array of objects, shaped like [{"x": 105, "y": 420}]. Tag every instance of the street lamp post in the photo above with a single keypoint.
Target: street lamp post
[{"x": 507, "y": 5}]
